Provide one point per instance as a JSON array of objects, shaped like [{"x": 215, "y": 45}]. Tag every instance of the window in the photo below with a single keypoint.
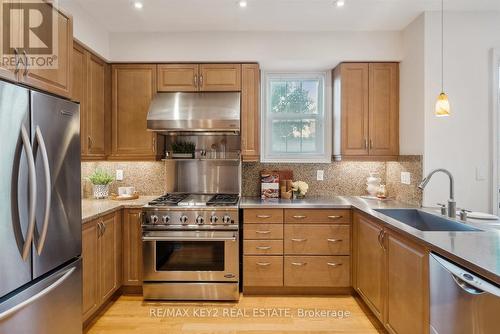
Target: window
[{"x": 296, "y": 118}]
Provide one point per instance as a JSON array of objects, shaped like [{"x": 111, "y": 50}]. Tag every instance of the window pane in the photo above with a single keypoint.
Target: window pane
[
  {"x": 294, "y": 136},
  {"x": 294, "y": 96}
]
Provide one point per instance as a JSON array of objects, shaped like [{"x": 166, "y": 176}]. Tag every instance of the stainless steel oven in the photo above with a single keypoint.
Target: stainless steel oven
[{"x": 187, "y": 256}]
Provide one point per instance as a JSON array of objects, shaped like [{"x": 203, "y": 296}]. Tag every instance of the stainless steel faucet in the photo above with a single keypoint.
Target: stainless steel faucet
[{"x": 452, "y": 205}]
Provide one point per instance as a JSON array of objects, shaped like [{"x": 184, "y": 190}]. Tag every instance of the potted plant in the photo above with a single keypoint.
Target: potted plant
[
  {"x": 183, "y": 149},
  {"x": 100, "y": 180}
]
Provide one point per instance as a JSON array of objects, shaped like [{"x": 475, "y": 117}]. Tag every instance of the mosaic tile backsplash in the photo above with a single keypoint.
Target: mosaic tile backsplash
[
  {"x": 148, "y": 177},
  {"x": 346, "y": 178}
]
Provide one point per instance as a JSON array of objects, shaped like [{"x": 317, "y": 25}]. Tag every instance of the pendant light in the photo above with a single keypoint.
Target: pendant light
[{"x": 442, "y": 104}]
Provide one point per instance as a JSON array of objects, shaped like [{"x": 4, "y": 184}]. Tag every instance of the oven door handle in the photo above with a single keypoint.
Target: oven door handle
[{"x": 165, "y": 238}]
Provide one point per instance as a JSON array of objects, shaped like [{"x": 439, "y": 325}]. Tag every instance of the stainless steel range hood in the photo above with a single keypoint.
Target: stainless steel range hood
[{"x": 195, "y": 112}]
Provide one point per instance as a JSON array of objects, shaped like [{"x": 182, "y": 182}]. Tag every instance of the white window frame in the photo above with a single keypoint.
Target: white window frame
[
  {"x": 495, "y": 140},
  {"x": 266, "y": 126}
]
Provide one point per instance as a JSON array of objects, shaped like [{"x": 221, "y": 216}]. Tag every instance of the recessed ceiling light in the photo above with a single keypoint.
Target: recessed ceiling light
[
  {"x": 340, "y": 3},
  {"x": 242, "y": 3},
  {"x": 138, "y": 5}
]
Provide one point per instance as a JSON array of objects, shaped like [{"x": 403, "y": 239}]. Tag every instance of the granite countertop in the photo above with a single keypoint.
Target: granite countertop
[
  {"x": 95, "y": 208},
  {"x": 478, "y": 251}
]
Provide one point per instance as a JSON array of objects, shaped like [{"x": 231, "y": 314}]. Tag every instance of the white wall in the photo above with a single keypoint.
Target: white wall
[
  {"x": 273, "y": 50},
  {"x": 462, "y": 142},
  {"x": 411, "y": 113},
  {"x": 86, "y": 30}
]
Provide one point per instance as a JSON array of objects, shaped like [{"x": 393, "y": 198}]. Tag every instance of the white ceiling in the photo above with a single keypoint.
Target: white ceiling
[{"x": 266, "y": 15}]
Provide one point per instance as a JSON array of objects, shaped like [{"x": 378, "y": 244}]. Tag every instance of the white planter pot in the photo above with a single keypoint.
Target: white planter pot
[{"x": 101, "y": 191}]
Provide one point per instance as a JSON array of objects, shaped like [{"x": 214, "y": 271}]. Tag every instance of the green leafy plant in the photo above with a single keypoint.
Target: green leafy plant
[
  {"x": 101, "y": 177},
  {"x": 183, "y": 147}
]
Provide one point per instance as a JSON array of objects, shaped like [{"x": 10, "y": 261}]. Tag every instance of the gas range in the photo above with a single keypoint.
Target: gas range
[{"x": 192, "y": 211}]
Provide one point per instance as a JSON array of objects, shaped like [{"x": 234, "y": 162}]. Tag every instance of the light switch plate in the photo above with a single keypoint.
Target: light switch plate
[
  {"x": 405, "y": 178},
  {"x": 480, "y": 175},
  {"x": 119, "y": 175},
  {"x": 320, "y": 175}
]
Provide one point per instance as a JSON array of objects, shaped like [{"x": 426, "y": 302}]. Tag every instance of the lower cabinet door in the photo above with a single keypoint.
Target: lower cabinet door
[
  {"x": 407, "y": 287},
  {"x": 110, "y": 256},
  {"x": 132, "y": 248},
  {"x": 263, "y": 270},
  {"x": 317, "y": 271},
  {"x": 90, "y": 272}
]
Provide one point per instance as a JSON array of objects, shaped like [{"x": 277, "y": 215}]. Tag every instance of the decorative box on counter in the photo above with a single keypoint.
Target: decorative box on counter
[{"x": 269, "y": 184}]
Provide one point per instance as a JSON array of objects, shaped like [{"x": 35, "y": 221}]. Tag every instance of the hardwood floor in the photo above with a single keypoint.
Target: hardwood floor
[{"x": 253, "y": 314}]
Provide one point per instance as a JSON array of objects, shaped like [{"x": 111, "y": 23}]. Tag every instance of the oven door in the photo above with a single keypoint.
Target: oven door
[{"x": 191, "y": 256}]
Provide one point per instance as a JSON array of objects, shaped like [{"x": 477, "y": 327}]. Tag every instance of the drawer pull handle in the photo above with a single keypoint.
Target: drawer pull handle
[
  {"x": 299, "y": 217},
  {"x": 335, "y": 217},
  {"x": 263, "y": 247},
  {"x": 263, "y": 264},
  {"x": 262, "y": 232},
  {"x": 299, "y": 264},
  {"x": 334, "y": 240},
  {"x": 263, "y": 216},
  {"x": 299, "y": 240},
  {"x": 331, "y": 264}
]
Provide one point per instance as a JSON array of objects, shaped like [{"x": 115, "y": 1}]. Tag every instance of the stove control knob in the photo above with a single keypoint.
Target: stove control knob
[
  {"x": 154, "y": 219},
  {"x": 165, "y": 219},
  {"x": 226, "y": 219},
  {"x": 200, "y": 220},
  {"x": 184, "y": 219},
  {"x": 214, "y": 219}
]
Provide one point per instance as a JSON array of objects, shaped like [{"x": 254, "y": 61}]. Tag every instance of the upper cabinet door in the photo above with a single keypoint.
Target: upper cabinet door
[
  {"x": 178, "y": 78},
  {"x": 220, "y": 77},
  {"x": 250, "y": 112},
  {"x": 7, "y": 70},
  {"x": 58, "y": 80},
  {"x": 79, "y": 89},
  {"x": 96, "y": 108},
  {"x": 384, "y": 109},
  {"x": 354, "y": 108},
  {"x": 133, "y": 87}
]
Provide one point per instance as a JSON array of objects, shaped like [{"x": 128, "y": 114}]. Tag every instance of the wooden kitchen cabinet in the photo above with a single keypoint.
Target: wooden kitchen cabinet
[
  {"x": 407, "y": 286},
  {"x": 250, "y": 112},
  {"x": 263, "y": 271},
  {"x": 369, "y": 262},
  {"x": 220, "y": 77},
  {"x": 91, "y": 87},
  {"x": 7, "y": 67},
  {"x": 132, "y": 248},
  {"x": 367, "y": 98},
  {"x": 384, "y": 109},
  {"x": 133, "y": 88},
  {"x": 102, "y": 261},
  {"x": 178, "y": 77},
  {"x": 391, "y": 275},
  {"x": 317, "y": 271},
  {"x": 58, "y": 80}
]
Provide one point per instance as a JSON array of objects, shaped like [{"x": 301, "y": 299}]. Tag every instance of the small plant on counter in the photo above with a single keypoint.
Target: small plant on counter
[
  {"x": 183, "y": 149},
  {"x": 100, "y": 180}
]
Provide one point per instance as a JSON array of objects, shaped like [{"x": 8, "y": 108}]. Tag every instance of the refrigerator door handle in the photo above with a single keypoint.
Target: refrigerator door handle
[
  {"x": 39, "y": 295},
  {"x": 32, "y": 192},
  {"x": 48, "y": 195}
]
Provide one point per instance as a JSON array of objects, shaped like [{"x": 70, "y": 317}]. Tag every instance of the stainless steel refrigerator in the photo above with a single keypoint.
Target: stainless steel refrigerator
[{"x": 40, "y": 213}]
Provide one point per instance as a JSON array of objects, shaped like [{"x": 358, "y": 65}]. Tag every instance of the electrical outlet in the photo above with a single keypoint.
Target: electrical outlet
[
  {"x": 320, "y": 175},
  {"x": 405, "y": 178},
  {"x": 119, "y": 175}
]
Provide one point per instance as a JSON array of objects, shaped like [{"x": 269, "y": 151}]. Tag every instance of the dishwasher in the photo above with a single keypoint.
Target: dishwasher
[{"x": 461, "y": 301}]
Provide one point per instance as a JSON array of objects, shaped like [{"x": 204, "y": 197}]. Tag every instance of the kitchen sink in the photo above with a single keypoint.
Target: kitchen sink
[{"x": 424, "y": 221}]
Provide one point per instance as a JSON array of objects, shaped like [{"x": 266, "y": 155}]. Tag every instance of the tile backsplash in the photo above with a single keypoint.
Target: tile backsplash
[
  {"x": 148, "y": 177},
  {"x": 343, "y": 177}
]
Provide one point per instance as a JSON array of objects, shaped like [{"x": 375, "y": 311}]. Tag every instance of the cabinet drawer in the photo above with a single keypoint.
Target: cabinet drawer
[
  {"x": 263, "y": 247},
  {"x": 320, "y": 271},
  {"x": 312, "y": 239},
  {"x": 263, "y": 231},
  {"x": 271, "y": 216},
  {"x": 263, "y": 270},
  {"x": 319, "y": 216}
]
